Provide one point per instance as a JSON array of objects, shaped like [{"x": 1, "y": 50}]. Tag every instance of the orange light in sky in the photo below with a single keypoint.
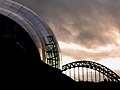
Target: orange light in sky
[
  {"x": 73, "y": 46},
  {"x": 112, "y": 63}
]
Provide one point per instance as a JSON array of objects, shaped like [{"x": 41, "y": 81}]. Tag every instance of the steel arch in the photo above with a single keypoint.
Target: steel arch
[
  {"x": 38, "y": 30},
  {"x": 95, "y": 66}
]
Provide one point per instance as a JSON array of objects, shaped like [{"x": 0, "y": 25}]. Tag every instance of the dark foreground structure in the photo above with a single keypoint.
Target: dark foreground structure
[
  {"x": 100, "y": 85},
  {"x": 24, "y": 70},
  {"x": 21, "y": 66}
]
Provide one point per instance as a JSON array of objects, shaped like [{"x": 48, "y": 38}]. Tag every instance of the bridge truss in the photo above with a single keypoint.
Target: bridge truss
[{"x": 89, "y": 71}]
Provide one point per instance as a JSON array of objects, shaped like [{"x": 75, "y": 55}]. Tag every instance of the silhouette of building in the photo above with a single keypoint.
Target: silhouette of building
[
  {"x": 29, "y": 51},
  {"x": 38, "y": 30}
]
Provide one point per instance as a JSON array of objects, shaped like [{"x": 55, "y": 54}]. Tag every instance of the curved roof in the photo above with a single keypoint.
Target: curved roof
[{"x": 39, "y": 31}]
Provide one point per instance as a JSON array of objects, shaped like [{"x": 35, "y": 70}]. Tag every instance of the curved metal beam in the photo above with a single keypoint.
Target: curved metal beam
[
  {"x": 39, "y": 31},
  {"x": 95, "y": 66}
]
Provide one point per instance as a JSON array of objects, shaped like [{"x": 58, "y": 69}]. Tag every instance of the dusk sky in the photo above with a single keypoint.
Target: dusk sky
[{"x": 85, "y": 29}]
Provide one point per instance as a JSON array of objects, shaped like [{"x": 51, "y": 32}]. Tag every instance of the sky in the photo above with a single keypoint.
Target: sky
[{"x": 85, "y": 29}]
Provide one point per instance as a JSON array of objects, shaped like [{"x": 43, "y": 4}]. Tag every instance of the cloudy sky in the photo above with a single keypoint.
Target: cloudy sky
[{"x": 85, "y": 29}]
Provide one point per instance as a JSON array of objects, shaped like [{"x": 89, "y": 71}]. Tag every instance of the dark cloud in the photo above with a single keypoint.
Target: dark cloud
[{"x": 82, "y": 21}]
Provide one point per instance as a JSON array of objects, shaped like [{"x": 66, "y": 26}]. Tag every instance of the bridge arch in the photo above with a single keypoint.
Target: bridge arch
[
  {"x": 38, "y": 30},
  {"x": 112, "y": 76}
]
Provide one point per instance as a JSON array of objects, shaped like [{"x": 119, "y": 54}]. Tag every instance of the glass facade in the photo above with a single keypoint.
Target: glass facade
[
  {"x": 39, "y": 31},
  {"x": 52, "y": 53}
]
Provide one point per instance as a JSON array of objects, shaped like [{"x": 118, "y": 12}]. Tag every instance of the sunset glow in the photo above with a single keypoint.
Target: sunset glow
[
  {"x": 112, "y": 63},
  {"x": 73, "y": 46}
]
